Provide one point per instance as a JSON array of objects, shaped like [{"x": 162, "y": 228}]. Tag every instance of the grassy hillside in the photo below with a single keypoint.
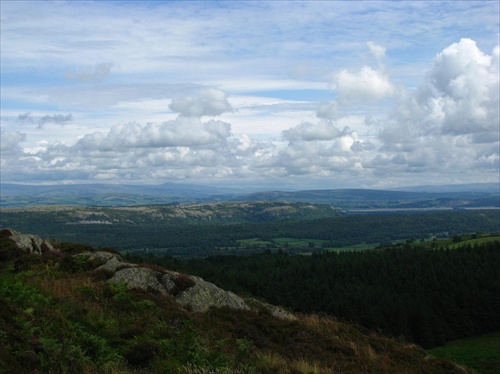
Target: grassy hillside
[
  {"x": 480, "y": 353},
  {"x": 59, "y": 316}
]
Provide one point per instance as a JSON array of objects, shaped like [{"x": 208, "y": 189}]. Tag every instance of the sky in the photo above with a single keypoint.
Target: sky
[{"x": 267, "y": 94}]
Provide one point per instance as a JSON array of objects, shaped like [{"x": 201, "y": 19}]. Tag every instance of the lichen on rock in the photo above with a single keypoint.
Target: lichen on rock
[
  {"x": 139, "y": 278},
  {"x": 205, "y": 295},
  {"x": 27, "y": 242}
]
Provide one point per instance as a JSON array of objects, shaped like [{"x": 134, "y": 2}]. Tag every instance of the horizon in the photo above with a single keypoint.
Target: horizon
[{"x": 280, "y": 95}]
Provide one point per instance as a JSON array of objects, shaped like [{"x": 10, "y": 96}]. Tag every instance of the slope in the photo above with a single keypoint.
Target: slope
[{"x": 57, "y": 314}]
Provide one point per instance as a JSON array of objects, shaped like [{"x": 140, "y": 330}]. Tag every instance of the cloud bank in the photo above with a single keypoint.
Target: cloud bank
[{"x": 237, "y": 93}]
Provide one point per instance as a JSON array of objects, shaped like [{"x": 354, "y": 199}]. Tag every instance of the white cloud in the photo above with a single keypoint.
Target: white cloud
[
  {"x": 363, "y": 84},
  {"x": 11, "y": 140},
  {"x": 208, "y": 102},
  {"x": 306, "y": 131},
  {"x": 182, "y": 132},
  {"x": 328, "y": 111},
  {"x": 460, "y": 95},
  {"x": 377, "y": 51}
]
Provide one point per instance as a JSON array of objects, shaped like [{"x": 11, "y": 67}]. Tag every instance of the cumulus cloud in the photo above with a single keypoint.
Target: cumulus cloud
[
  {"x": 328, "y": 111},
  {"x": 181, "y": 132},
  {"x": 208, "y": 102},
  {"x": 459, "y": 96},
  {"x": 364, "y": 84},
  {"x": 450, "y": 124},
  {"x": 10, "y": 141},
  {"x": 306, "y": 131}
]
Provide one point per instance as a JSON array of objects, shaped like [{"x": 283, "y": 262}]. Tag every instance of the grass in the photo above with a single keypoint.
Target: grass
[
  {"x": 480, "y": 353},
  {"x": 304, "y": 242},
  {"x": 467, "y": 239},
  {"x": 356, "y": 247},
  {"x": 254, "y": 241}
]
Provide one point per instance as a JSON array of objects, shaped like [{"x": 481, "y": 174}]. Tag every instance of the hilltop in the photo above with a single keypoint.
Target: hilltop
[{"x": 69, "y": 308}]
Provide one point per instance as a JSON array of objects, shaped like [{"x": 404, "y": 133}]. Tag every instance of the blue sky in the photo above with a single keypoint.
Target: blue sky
[{"x": 313, "y": 94}]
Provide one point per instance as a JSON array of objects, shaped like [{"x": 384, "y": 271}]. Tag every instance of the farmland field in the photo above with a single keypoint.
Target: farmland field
[{"x": 479, "y": 353}]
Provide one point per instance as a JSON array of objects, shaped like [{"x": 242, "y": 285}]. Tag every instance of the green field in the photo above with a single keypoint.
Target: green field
[
  {"x": 294, "y": 242},
  {"x": 253, "y": 241},
  {"x": 481, "y": 238},
  {"x": 480, "y": 353},
  {"x": 357, "y": 247}
]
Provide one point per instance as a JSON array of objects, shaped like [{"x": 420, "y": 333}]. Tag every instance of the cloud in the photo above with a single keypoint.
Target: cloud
[
  {"x": 363, "y": 84},
  {"x": 181, "y": 132},
  {"x": 94, "y": 73},
  {"x": 306, "y": 131},
  {"x": 10, "y": 141},
  {"x": 459, "y": 96},
  {"x": 60, "y": 119},
  {"x": 208, "y": 102},
  {"x": 450, "y": 123},
  {"x": 328, "y": 111},
  {"x": 377, "y": 51}
]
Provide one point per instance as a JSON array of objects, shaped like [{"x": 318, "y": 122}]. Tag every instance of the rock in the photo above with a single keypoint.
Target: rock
[
  {"x": 275, "y": 311},
  {"x": 28, "y": 243},
  {"x": 105, "y": 261},
  {"x": 167, "y": 281},
  {"x": 139, "y": 278},
  {"x": 100, "y": 255},
  {"x": 113, "y": 265},
  {"x": 204, "y": 295}
]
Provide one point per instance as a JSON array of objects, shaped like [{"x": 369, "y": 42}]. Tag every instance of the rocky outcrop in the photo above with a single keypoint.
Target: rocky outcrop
[
  {"x": 204, "y": 295},
  {"x": 105, "y": 262},
  {"x": 189, "y": 291},
  {"x": 139, "y": 278},
  {"x": 26, "y": 242}
]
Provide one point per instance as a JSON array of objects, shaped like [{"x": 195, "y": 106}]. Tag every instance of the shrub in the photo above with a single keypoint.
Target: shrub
[
  {"x": 141, "y": 351},
  {"x": 72, "y": 264},
  {"x": 26, "y": 262},
  {"x": 110, "y": 250},
  {"x": 182, "y": 283},
  {"x": 9, "y": 250},
  {"x": 74, "y": 248}
]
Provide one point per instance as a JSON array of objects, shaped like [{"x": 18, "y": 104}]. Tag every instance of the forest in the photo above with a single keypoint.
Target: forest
[
  {"x": 428, "y": 296},
  {"x": 201, "y": 238}
]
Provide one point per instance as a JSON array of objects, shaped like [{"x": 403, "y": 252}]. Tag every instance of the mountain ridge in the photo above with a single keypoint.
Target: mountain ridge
[{"x": 472, "y": 195}]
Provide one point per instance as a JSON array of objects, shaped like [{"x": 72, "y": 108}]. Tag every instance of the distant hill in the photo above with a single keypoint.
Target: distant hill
[
  {"x": 467, "y": 187},
  {"x": 378, "y": 199},
  {"x": 428, "y": 197},
  {"x": 109, "y": 194}
]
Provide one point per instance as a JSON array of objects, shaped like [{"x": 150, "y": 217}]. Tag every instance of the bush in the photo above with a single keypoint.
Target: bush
[
  {"x": 182, "y": 283},
  {"x": 26, "y": 262},
  {"x": 9, "y": 250},
  {"x": 141, "y": 352},
  {"x": 74, "y": 248}
]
